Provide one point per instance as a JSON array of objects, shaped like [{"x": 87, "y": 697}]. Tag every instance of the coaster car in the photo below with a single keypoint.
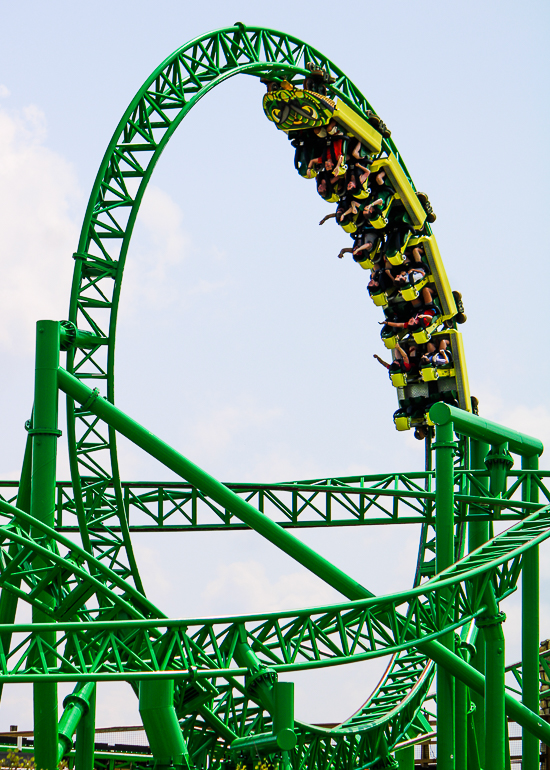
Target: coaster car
[
  {"x": 424, "y": 335},
  {"x": 379, "y": 218},
  {"x": 398, "y": 379},
  {"x": 437, "y": 271},
  {"x": 412, "y": 290},
  {"x": 390, "y": 338},
  {"x": 351, "y": 226},
  {"x": 401, "y": 420},
  {"x": 399, "y": 233},
  {"x": 429, "y": 373},
  {"x": 379, "y": 298},
  {"x": 367, "y": 258},
  {"x": 433, "y": 373},
  {"x": 398, "y": 257},
  {"x": 291, "y": 108},
  {"x": 403, "y": 188},
  {"x": 366, "y": 263}
]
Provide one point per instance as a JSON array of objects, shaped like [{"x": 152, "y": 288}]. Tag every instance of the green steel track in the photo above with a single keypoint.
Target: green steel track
[
  {"x": 98, "y": 498},
  {"x": 126, "y": 638},
  {"x": 142, "y": 134},
  {"x": 92, "y": 621},
  {"x": 393, "y": 498}
]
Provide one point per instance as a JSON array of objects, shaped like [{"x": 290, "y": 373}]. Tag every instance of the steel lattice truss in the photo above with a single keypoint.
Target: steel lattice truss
[
  {"x": 285, "y": 641},
  {"x": 98, "y": 643},
  {"x": 145, "y": 129},
  {"x": 393, "y": 498},
  {"x": 91, "y": 596}
]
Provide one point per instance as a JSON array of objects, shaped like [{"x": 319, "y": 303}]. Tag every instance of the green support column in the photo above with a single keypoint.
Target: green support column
[
  {"x": 530, "y": 627},
  {"x": 158, "y": 715},
  {"x": 78, "y": 716},
  {"x": 405, "y": 758},
  {"x": 478, "y": 534},
  {"x": 495, "y": 719},
  {"x": 44, "y": 451},
  {"x": 474, "y": 761},
  {"x": 444, "y": 557},
  {"x": 85, "y": 737},
  {"x": 498, "y": 462},
  {"x": 461, "y": 724}
]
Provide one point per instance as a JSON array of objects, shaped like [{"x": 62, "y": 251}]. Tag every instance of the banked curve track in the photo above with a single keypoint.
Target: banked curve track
[
  {"x": 123, "y": 636},
  {"x": 142, "y": 134},
  {"x": 138, "y": 141}
]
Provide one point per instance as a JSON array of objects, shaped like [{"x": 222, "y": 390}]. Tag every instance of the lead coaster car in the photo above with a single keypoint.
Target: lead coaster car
[{"x": 291, "y": 108}]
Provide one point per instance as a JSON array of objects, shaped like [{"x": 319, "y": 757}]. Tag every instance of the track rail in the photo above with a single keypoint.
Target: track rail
[
  {"x": 102, "y": 644},
  {"x": 393, "y": 498},
  {"x": 100, "y": 583},
  {"x": 142, "y": 134}
]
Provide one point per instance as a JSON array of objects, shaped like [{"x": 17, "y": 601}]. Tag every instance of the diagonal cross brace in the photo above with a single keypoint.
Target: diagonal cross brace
[{"x": 282, "y": 539}]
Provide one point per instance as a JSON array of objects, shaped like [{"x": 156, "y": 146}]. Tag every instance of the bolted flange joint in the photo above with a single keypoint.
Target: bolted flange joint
[
  {"x": 445, "y": 445},
  {"x": 264, "y": 676},
  {"x": 491, "y": 620},
  {"x": 68, "y": 335},
  {"x": 499, "y": 456}
]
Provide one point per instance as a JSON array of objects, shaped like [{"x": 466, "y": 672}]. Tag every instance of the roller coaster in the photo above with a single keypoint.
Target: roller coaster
[{"x": 217, "y": 692}]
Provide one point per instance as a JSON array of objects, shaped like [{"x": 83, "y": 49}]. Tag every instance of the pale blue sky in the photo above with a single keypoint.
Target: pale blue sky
[{"x": 242, "y": 339}]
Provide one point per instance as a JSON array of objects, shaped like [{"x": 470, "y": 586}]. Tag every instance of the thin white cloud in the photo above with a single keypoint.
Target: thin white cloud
[
  {"x": 38, "y": 232},
  {"x": 4, "y": 91},
  {"x": 214, "y": 433},
  {"x": 532, "y": 419},
  {"x": 249, "y": 582},
  {"x": 206, "y": 287},
  {"x": 159, "y": 244}
]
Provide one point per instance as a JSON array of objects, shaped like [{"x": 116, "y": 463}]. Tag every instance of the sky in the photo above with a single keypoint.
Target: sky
[{"x": 242, "y": 340}]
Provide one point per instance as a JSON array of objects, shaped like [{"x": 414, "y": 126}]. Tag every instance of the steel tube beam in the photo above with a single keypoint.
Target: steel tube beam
[
  {"x": 275, "y": 534},
  {"x": 461, "y": 724},
  {"x": 85, "y": 736},
  {"x": 530, "y": 628},
  {"x": 444, "y": 557},
  {"x": 495, "y": 720},
  {"x": 156, "y": 708},
  {"x": 214, "y": 488},
  {"x": 44, "y": 452},
  {"x": 76, "y": 706},
  {"x": 478, "y": 534},
  {"x": 405, "y": 758},
  {"x": 476, "y": 427}
]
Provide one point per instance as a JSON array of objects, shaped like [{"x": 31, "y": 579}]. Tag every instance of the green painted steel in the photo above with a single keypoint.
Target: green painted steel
[
  {"x": 478, "y": 428},
  {"x": 478, "y": 535},
  {"x": 77, "y": 706},
  {"x": 208, "y": 688},
  {"x": 530, "y": 629},
  {"x": 164, "y": 453},
  {"x": 444, "y": 558},
  {"x": 495, "y": 725},
  {"x": 85, "y": 735},
  {"x": 142, "y": 134},
  {"x": 44, "y": 434},
  {"x": 490, "y": 554},
  {"x": 370, "y": 500},
  {"x": 405, "y": 758},
  {"x": 286, "y": 542},
  {"x": 156, "y": 708}
]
